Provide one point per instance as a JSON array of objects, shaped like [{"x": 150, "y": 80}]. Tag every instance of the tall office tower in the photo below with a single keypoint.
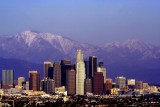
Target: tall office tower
[
  {"x": 92, "y": 66},
  {"x": 80, "y": 73},
  {"x": 65, "y": 66},
  {"x": 48, "y": 85},
  {"x": 50, "y": 73},
  {"x": 139, "y": 85},
  {"x": 98, "y": 82},
  {"x": 47, "y": 65},
  {"x": 131, "y": 83},
  {"x": 57, "y": 74},
  {"x": 7, "y": 79},
  {"x": 121, "y": 83},
  {"x": 108, "y": 86},
  {"x": 34, "y": 80},
  {"x": 71, "y": 82},
  {"x": 86, "y": 62},
  {"x": 20, "y": 81},
  {"x": 101, "y": 68},
  {"x": 88, "y": 85}
]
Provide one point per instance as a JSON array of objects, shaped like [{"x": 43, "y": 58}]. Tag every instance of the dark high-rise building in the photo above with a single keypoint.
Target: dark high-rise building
[
  {"x": 65, "y": 66},
  {"x": 101, "y": 64},
  {"x": 88, "y": 85},
  {"x": 50, "y": 72},
  {"x": 92, "y": 66},
  {"x": 34, "y": 80},
  {"x": 86, "y": 62},
  {"x": 7, "y": 79},
  {"x": 57, "y": 74},
  {"x": 47, "y": 65},
  {"x": 71, "y": 82},
  {"x": 98, "y": 82},
  {"x": 48, "y": 85}
]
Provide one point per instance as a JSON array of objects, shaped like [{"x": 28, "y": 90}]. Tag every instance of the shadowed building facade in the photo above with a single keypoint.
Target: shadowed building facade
[
  {"x": 88, "y": 85},
  {"x": 55, "y": 73},
  {"x": 7, "y": 79},
  {"x": 65, "y": 66},
  {"x": 92, "y": 66},
  {"x": 48, "y": 85},
  {"x": 71, "y": 82},
  {"x": 47, "y": 65},
  {"x": 34, "y": 80},
  {"x": 86, "y": 62},
  {"x": 98, "y": 82}
]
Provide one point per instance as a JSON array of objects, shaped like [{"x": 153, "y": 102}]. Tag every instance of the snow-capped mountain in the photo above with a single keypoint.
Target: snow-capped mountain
[
  {"x": 35, "y": 46},
  {"x": 133, "y": 46},
  {"x": 121, "y": 58}
]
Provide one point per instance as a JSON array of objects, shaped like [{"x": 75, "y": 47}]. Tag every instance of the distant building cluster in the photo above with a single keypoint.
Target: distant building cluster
[{"x": 85, "y": 77}]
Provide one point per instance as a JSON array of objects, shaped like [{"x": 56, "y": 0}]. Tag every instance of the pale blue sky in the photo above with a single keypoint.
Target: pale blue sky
[{"x": 90, "y": 21}]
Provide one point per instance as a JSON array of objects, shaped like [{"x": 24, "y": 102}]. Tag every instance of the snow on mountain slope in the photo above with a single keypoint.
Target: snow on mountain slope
[
  {"x": 50, "y": 45},
  {"x": 128, "y": 58}
]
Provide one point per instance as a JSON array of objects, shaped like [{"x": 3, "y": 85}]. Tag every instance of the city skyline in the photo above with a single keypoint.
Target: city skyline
[
  {"x": 76, "y": 81},
  {"x": 103, "y": 21},
  {"x": 79, "y": 53}
]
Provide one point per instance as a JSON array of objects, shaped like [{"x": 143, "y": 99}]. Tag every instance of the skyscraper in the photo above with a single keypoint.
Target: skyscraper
[
  {"x": 34, "y": 80},
  {"x": 7, "y": 78},
  {"x": 98, "y": 82},
  {"x": 86, "y": 62},
  {"x": 57, "y": 74},
  {"x": 20, "y": 81},
  {"x": 65, "y": 66},
  {"x": 80, "y": 73},
  {"x": 71, "y": 82},
  {"x": 92, "y": 66},
  {"x": 47, "y": 65},
  {"x": 88, "y": 85},
  {"x": 103, "y": 70},
  {"x": 48, "y": 85}
]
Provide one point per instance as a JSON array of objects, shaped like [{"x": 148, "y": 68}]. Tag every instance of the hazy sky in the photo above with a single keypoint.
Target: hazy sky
[{"x": 91, "y": 21}]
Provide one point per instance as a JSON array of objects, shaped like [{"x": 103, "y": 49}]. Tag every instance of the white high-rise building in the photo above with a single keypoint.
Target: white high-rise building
[
  {"x": 80, "y": 73},
  {"x": 20, "y": 81}
]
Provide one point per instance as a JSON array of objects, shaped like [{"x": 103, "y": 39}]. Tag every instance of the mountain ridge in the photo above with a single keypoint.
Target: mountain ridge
[{"x": 129, "y": 57}]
